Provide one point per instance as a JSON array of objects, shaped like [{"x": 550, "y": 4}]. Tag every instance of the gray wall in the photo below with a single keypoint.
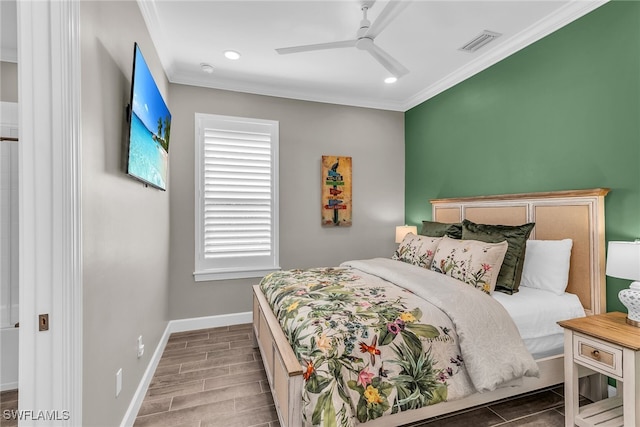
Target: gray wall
[
  {"x": 308, "y": 130},
  {"x": 138, "y": 243},
  {"x": 8, "y": 81},
  {"x": 125, "y": 226}
]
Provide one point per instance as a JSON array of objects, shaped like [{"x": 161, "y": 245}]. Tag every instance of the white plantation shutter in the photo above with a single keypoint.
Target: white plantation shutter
[
  {"x": 237, "y": 193},
  {"x": 237, "y": 217}
]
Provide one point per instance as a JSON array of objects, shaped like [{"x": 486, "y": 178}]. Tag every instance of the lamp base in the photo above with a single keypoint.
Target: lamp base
[
  {"x": 630, "y": 298},
  {"x": 633, "y": 322}
]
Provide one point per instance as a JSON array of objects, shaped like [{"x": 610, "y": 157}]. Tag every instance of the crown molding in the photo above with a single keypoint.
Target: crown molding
[
  {"x": 282, "y": 92},
  {"x": 154, "y": 24}
]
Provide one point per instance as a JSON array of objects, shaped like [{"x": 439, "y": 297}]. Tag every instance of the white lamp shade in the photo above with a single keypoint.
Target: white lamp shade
[
  {"x": 623, "y": 260},
  {"x": 403, "y": 230}
]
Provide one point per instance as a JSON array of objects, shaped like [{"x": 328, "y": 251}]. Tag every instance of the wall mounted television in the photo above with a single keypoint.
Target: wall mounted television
[{"x": 149, "y": 127}]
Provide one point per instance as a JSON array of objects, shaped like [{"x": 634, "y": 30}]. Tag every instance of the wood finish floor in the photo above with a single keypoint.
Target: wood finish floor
[
  {"x": 543, "y": 408},
  {"x": 214, "y": 377},
  {"x": 207, "y": 378},
  {"x": 8, "y": 403}
]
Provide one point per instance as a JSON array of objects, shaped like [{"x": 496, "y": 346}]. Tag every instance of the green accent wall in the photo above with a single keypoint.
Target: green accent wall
[{"x": 561, "y": 114}]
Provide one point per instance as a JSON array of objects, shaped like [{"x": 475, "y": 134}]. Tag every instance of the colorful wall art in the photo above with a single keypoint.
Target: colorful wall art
[{"x": 336, "y": 191}]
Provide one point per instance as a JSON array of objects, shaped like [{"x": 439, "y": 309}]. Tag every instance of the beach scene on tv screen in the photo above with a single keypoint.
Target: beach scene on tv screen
[{"x": 150, "y": 128}]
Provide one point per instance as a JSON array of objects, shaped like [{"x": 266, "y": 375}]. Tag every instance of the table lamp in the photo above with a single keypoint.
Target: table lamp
[
  {"x": 623, "y": 262},
  {"x": 403, "y": 230}
]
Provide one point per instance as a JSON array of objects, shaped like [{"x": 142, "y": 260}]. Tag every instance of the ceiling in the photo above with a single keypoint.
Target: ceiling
[{"x": 425, "y": 37}]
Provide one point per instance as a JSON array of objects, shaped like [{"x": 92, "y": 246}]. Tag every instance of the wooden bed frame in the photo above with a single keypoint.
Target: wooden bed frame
[{"x": 578, "y": 215}]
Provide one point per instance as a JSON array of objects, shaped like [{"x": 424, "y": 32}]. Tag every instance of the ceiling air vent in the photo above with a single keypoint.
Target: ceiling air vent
[{"x": 479, "y": 41}]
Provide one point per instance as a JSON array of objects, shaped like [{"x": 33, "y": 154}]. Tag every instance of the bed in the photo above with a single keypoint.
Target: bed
[{"x": 576, "y": 215}]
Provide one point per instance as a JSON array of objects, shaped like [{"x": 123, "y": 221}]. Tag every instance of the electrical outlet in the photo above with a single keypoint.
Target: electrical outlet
[
  {"x": 140, "y": 347},
  {"x": 118, "y": 382}
]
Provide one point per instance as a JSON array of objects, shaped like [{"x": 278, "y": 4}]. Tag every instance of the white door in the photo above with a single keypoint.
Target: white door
[{"x": 50, "y": 373}]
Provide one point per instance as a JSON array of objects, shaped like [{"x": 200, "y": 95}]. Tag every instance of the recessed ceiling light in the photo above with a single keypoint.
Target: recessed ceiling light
[
  {"x": 231, "y": 54},
  {"x": 390, "y": 80},
  {"x": 207, "y": 68}
]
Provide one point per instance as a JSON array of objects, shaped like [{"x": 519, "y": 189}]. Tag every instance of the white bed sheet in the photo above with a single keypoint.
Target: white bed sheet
[{"x": 536, "y": 313}]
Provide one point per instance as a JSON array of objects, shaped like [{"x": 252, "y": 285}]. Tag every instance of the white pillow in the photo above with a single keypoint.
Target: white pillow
[{"x": 546, "y": 265}]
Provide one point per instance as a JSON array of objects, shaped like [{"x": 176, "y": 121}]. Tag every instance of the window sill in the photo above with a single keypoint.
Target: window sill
[{"x": 209, "y": 275}]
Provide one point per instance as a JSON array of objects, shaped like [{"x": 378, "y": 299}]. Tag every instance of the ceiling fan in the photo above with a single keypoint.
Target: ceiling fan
[{"x": 365, "y": 37}]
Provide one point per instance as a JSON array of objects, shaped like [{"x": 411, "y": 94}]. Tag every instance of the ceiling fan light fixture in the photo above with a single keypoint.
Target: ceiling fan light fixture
[
  {"x": 365, "y": 37},
  {"x": 232, "y": 55},
  {"x": 364, "y": 43},
  {"x": 390, "y": 80}
]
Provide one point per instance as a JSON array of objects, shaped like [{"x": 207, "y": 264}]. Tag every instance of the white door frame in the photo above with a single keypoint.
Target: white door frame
[{"x": 50, "y": 226}]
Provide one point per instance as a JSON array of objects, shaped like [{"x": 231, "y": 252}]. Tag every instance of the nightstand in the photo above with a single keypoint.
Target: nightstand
[{"x": 605, "y": 344}]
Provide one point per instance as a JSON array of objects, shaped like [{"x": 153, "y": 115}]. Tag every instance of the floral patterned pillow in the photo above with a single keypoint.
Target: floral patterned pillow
[
  {"x": 471, "y": 261},
  {"x": 417, "y": 250}
]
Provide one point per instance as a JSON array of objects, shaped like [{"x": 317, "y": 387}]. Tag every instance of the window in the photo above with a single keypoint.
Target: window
[{"x": 236, "y": 197}]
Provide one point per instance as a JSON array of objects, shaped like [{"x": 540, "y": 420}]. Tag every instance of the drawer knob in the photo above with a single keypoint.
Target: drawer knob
[{"x": 596, "y": 354}]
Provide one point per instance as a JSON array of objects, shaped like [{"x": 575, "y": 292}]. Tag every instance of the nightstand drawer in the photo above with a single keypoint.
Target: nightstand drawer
[{"x": 592, "y": 352}]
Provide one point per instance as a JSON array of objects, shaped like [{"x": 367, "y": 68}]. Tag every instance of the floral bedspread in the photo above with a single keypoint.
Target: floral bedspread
[{"x": 367, "y": 347}]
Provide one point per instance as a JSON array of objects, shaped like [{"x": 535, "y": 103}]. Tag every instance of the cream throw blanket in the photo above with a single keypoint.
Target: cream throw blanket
[{"x": 491, "y": 346}]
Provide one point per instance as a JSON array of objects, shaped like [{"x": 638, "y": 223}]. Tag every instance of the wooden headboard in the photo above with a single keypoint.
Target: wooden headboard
[{"x": 577, "y": 215}]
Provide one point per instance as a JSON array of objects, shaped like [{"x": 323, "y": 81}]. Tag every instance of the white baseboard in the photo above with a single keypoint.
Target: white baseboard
[
  {"x": 9, "y": 386},
  {"x": 138, "y": 396},
  {"x": 180, "y": 325}
]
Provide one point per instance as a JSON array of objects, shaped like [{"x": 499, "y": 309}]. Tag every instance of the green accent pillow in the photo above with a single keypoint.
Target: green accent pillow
[
  {"x": 440, "y": 229},
  {"x": 516, "y": 236}
]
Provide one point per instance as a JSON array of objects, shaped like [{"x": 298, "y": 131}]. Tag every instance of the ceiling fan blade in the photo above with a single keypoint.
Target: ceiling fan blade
[
  {"x": 388, "y": 14},
  {"x": 387, "y": 61},
  {"x": 319, "y": 46}
]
